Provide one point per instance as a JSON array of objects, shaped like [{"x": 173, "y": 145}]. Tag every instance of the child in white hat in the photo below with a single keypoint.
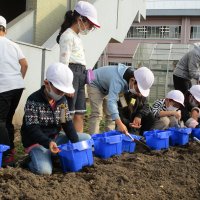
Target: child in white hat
[
  {"x": 81, "y": 20},
  {"x": 191, "y": 111},
  {"x": 167, "y": 111},
  {"x": 109, "y": 83},
  {"x": 45, "y": 115}
]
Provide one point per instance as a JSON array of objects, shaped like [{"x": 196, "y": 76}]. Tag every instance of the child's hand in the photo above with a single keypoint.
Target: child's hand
[
  {"x": 136, "y": 123},
  {"x": 177, "y": 114},
  {"x": 195, "y": 113},
  {"x": 122, "y": 128},
  {"x": 191, "y": 123},
  {"x": 53, "y": 147}
]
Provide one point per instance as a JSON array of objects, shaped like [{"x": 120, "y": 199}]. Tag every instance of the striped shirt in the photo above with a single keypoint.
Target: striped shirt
[{"x": 158, "y": 105}]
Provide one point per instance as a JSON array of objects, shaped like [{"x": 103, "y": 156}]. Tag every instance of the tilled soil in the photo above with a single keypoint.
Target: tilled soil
[{"x": 156, "y": 175}]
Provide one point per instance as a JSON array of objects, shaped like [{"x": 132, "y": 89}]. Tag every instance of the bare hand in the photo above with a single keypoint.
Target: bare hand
[
  {"x": 136, "y": 123},
  {"x": 177, "y": 114},
  {"x": 53, "y": 147},
  {"x": 121, "y": 127},
  {"x": 195, "y": 113}
]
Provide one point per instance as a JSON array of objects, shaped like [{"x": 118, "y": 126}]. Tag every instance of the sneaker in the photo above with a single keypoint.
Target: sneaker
[{"x": 9, "y": 159}]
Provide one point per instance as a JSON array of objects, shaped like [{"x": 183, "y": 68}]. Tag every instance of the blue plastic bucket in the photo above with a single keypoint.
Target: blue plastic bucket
[
  {"x": 179, "y": 136},
  {"x": 196, "y": 132},
  {"x": 127, "y": 144},
  {"x": 107, "y": 144},
  {"x": 2, "y": 149},
  {"x": 157, "y": 139},
  {"x": 74, "y": 156}
]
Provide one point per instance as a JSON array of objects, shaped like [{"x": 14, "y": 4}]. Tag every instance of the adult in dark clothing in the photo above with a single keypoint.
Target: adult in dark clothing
[
  {"x": 46, "y": 113},
  {"x": 136, "y": 113}
]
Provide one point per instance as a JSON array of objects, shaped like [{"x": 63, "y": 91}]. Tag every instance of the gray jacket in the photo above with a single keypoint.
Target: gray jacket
[{"x": 188, "y": 65}]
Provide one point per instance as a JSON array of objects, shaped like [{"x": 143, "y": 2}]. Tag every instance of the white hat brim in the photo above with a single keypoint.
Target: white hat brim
[
  {"x": 94, "y": 21},
  {"x": 69, "y": 90},
  {"x": 143, "y": 92}
]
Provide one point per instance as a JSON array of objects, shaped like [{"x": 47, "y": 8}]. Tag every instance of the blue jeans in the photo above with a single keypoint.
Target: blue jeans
[{"x": 41, "y": 161}]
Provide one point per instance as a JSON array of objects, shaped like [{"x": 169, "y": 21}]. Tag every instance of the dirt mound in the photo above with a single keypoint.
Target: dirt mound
[{"x": 171, "y": 174}]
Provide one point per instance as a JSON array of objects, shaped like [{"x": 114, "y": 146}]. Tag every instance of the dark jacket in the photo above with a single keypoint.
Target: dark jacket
[
  {"x": 41, "y": 123},
  {"x": 140, "y": 108},
  {"x": 185, "y": 111}
]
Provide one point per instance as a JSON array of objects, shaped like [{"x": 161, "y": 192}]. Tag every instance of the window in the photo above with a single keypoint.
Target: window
[
  {"x": 195, "y": 32},
  {"x": 116, "y": 63},
  {"x": 151, "y": 32}
]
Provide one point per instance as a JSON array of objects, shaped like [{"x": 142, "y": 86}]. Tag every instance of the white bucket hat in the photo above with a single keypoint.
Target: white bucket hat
[
  {"x": 87, "y": 10},
  {"x": 197, "y": 44},
  {"x": 2, "y": 21},
  {"x": 145, "y": 79},
  {"x": 195, "y": 91},
  {"x": 61, "y": 76},
  {"x": 177, "y": 96}
]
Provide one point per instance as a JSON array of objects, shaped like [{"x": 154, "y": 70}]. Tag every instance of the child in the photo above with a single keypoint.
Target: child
[
  {"x": 13, "y": 67},
  {"x": 110, "y": 82},
  {"x": 46, "y": 112},
  {"x": 166, "y": 111},
  {"x": 191, "y": 111},
  {"x": 136, "y": 111},
  {"x": 82, "y": 20}
]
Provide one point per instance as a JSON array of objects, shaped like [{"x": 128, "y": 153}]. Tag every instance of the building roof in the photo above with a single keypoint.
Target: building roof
[
  {"x": 173, "y": 12},
  {"x": 173, "y": 4},
  {"x": 173, "y": 8}
]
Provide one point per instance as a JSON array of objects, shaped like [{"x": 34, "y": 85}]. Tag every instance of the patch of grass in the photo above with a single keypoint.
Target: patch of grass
[{"x": 18, "y": 145}]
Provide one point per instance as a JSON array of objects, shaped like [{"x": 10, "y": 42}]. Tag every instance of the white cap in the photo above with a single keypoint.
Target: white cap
[
  {"x": 177, "y": 96},
  {"x": 61, "y": 76},
  {"x": 87, "y": 10},
  {"x": 145, "y": 79},
  {"x": 2, "y": 21},
  {"x": 195, "y": 91}
]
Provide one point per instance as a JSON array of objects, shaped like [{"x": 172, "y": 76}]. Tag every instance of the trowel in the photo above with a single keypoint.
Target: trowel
[
  {"x": 197, "y": 140},
  {"x": 138, "y": 142}
]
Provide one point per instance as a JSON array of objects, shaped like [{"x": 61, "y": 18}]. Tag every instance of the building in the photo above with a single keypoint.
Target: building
[
  {"x": 34, "y": 25},
  {"x": 169, "y": 31},
  {"x": 167, "y": 22}
]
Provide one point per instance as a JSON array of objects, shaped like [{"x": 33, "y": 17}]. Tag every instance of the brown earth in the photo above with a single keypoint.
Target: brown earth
[{"x": 157, "y": 175}]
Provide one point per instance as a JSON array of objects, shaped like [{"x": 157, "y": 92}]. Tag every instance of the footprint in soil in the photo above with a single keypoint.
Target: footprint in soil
[
  {"x": 132, "y": 158},
  {"x": 88, "y": 177},
  {"x": 158, "y": 152},
  {"x": 123, "y": 179},
  {"x": 108, "y": 161}
]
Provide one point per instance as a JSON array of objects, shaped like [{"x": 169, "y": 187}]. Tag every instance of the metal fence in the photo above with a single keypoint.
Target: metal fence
[{"x": 161, "y": 59}]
